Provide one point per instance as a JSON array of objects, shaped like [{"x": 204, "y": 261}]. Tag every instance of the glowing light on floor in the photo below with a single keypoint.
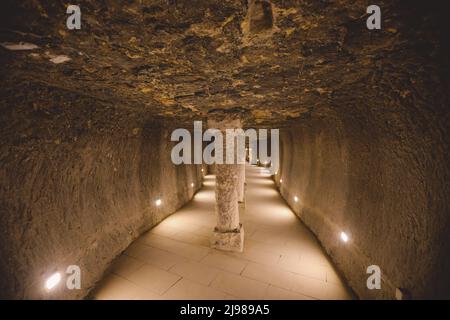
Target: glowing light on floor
[
  {"x": 344, "y": 237},
  {"x": 158, "y": 202},
  {"x": 53, "y": 280}
]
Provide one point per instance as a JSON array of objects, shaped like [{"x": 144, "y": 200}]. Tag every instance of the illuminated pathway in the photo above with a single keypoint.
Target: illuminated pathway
[{"x": 281, "y": 258}]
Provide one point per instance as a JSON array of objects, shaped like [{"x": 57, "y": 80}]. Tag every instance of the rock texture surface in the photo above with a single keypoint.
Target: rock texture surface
[
  {"x": 389, "y": 196},
  {"x": 272, "y": 63},
  {"x": 77, "y": 191},
  {"x": 85, "y": 116}
]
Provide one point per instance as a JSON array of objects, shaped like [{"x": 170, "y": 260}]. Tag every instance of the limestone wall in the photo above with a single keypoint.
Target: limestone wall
[
  {"x": 76, "y": 190},
  {"x": 384, "y": 185}
]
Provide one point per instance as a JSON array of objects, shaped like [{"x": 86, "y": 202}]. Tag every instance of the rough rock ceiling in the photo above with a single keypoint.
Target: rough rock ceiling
[{"x": 271, "y": 62}]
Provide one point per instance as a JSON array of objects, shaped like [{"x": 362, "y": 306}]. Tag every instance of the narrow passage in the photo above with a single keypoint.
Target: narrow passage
[{"x": 281, "y": 258}]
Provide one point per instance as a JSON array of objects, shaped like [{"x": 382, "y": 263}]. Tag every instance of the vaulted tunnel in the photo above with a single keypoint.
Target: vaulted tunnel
[{"x": 87, "y": 178}]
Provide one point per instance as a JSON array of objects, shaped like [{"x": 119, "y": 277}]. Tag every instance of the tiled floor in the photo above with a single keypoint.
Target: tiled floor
[{"x": 281, "y": 258}]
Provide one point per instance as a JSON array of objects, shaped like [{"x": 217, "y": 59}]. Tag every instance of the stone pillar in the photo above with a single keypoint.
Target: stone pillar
[
  {"x": 241, "y": 183},
  {"x": 228, "y": 234}
]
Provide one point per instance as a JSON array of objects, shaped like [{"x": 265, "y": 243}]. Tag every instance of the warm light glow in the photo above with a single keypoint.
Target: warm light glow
[
  {"x": 281, "y": 180},
  {"x": 344, "y": 237},
  {"x": 53, "y": 281},
  {"x": 192, "y": 184},
  {"x": 202, "y": 170},
  {"x": 296, "y": 199},
  {"x": 158, "y": 202}
]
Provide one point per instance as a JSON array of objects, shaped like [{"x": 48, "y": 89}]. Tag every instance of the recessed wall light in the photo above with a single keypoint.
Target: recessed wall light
[
  {"x": 53, "y": 280},
  {"x": 296, "y": 199},
  {"x": 344, "y": 237},
  {"x": 158, "y": 202},
  {"x": 281, "y": 180}
]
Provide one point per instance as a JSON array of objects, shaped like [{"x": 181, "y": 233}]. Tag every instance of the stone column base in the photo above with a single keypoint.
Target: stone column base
[{"x": 229, "y": 241}]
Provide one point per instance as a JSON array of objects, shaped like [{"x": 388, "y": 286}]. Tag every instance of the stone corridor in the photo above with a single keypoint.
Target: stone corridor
[{"x": 281, "y": 257}]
